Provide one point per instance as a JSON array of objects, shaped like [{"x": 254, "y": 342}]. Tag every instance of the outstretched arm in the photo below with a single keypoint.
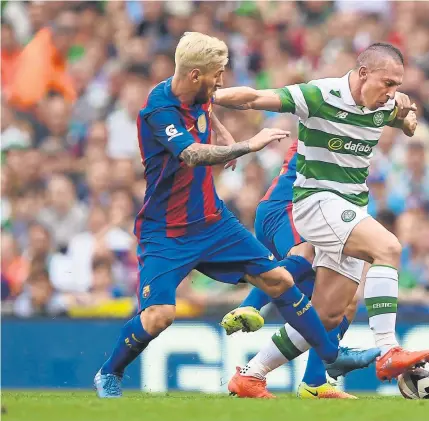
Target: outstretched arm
[
  {"x": 199, "y": 154},
  {"x": 170, "y": 131},
  {"x": 245, "y": 98}
]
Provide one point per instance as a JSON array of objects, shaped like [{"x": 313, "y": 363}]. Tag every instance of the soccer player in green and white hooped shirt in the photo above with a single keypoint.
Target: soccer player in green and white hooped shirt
[{"x": 340, "y": 122}]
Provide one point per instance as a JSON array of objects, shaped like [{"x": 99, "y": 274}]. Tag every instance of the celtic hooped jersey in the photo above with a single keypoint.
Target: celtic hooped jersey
[{"x": 335, "y": 139}]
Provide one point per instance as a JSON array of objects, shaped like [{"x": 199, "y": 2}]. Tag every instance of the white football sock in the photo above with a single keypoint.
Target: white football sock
[
  {"x": 286, "y": 341},
  {"x": 381, "y": 300}
]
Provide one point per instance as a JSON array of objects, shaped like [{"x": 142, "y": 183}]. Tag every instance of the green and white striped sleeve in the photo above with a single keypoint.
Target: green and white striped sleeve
[{"x": 302, "y": 100}]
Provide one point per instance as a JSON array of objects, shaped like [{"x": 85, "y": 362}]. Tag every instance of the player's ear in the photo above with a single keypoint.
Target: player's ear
[
  {"x": 195, "y": 75},
  {"x": 363, "y": 72}
]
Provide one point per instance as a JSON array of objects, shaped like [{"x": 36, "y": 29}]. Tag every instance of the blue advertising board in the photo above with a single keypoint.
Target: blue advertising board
[{"x": 189, "y": 356}]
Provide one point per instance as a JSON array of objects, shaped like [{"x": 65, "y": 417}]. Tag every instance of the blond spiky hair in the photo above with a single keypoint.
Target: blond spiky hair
[{"x": 200, "y": 51}]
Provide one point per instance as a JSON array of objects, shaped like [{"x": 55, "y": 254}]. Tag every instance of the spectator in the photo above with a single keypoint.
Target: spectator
[
  {"x": 14, "y": 267},
  {"x": 101, "y": 240},
  {"x": 123, "y": 174},
  {"x": 412, "y": 182},
  {"x": 98, "y": 180},
  {"x": 64, "y": 216},
  {"x": 10, "y": 51},
  {"x": 39, "y": 250},
  {"x": 46, "y": 56},
  {"x": 25, "y": 207},
  {"x": 414, "y": 274},
  {"x": 121, "y": 125},
  {"x": 39, "y": 298},
  {"x": 13, "y": 135},
  {"x": 103, "y": 288},
  {"x": 54, "y": 114}
]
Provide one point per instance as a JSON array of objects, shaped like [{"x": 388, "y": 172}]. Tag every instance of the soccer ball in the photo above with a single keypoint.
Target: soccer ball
[{"x": 414, "y": 384}]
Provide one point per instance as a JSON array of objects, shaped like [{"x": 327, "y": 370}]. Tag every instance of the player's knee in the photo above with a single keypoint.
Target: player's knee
[
  {"x": 330, "y": 317},
  {"x": 305, "y": 250},
  {"x": 277, "y": 283},
  {"x": 394, "y": 249},
  {"x": 157, "y": 318},
  {"x": 390, "y": 251}
]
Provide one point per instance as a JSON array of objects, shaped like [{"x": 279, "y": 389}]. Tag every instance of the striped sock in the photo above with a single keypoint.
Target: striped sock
[
  {"x": 285, "y": 345},
  {"x": 381, "y": 300}
]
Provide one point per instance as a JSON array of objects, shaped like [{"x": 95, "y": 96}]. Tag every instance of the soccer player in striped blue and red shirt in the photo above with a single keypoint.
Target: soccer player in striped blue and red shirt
[{"x": 183, "y": 225}]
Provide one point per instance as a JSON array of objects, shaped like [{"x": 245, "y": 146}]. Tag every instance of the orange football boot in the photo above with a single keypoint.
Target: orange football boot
[
  {"x": 397, "y": 360},
  {"x": 248, "y": 387}
]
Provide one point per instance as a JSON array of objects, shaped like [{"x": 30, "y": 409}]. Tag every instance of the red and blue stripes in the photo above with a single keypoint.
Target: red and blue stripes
[
  {"x": 281, "y": 187},
  {"x": 177, "y": 197}
]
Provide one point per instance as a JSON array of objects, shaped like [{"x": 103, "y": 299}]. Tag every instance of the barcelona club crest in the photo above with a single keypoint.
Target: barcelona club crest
[
  {"x": 202, "y": 123},
  {"x": 146, "y": 291}
]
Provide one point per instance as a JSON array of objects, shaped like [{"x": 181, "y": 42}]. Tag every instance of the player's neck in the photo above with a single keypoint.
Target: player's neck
[
  {"x": 181, "y": 91},
  {"x": 355, "y": 88}
]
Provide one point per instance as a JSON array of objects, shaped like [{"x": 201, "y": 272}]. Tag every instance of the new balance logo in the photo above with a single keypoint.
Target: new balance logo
[
  {"x": 172, "y": 132},
  {"x": 341, "y": 114}
]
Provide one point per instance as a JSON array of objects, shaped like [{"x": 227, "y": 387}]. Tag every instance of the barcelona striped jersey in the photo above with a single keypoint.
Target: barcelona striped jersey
[{"x": 179, "y": 199}]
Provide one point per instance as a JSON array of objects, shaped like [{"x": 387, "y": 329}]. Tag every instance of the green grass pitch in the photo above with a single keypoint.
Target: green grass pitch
[{"x": 136, "y": 406}]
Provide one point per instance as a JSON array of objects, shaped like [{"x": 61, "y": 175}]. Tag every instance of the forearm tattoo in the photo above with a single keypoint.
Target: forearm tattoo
[{"x": 197, "y": 154}]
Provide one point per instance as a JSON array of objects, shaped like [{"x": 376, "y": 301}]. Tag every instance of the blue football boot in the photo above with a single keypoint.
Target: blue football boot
[
  {"x": 350, "y": 359},
  {"x": 108, "y": 385}
]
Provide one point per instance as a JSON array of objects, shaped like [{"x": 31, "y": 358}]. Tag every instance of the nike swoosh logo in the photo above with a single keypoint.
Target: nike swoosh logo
[
  {"x": 299, "y": 302},
  {"x": 190, "y": 128},
  {"x": 312, "y": 393},
  {"x": 134, "y": 337}
]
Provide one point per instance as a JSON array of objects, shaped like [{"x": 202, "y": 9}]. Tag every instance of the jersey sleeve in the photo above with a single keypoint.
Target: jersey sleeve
[
  {"x": 391, "y": 118},
  {"x": 169, "y": 129},
  {"x": 302, "y": 100}
]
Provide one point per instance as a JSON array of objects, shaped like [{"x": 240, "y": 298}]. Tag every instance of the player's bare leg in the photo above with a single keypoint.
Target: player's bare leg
[
  {"x": 369, "y": 240},
  {"x": 333, "y": 293},
  {"x": 156, "y": 319}
]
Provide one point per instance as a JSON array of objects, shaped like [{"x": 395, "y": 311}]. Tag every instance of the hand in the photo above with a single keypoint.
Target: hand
[
  {"x": 266, "y": 136},
  {"x": 410, "y": 124},
  {"x": 404, "y": 105},
  {"x": 231, "y": 164}
]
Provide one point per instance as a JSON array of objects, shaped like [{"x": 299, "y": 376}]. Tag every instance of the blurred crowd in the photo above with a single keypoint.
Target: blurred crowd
[{"x": 74, "y": 76}]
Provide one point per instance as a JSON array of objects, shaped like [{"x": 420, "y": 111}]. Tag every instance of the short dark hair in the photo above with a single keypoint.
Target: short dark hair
[
  {"x": 387, "y": 218},
  {"x": 39, "y": 273},
  {"x": 377, "y": 49},
  {"x": 101, "y": 263}
]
